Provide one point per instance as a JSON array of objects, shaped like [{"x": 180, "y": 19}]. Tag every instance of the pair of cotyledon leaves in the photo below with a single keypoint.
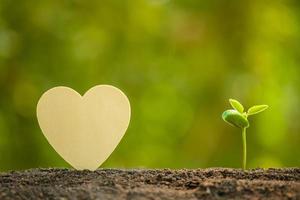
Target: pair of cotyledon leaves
[{"x": 237, "y": 117}]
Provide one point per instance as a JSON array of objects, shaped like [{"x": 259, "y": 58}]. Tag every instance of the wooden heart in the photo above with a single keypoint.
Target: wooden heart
[{"x": 84, "y": 130}]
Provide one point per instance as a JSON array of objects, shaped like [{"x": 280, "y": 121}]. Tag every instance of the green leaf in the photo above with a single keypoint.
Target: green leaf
[
  {"x": 257, "y": 109},
  {"x": 235, "y": 118},
  {"x": 236, "y": 105}
]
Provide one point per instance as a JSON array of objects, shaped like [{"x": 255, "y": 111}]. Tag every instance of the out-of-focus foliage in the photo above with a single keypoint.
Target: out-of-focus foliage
[{"x": 178, "y": 61}]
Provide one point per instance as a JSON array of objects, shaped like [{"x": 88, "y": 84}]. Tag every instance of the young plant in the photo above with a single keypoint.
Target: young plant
[{"x": 238, "y": 118}]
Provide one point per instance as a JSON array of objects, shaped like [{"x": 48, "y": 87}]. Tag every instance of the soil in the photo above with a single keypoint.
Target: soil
[{"x": 144, "y": 184}]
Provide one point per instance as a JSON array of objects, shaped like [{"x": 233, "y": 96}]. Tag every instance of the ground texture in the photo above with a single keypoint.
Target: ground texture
[{"x": 147, "y": 184}]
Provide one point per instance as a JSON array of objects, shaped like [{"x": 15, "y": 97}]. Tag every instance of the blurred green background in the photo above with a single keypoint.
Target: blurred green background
[{"x": 178, "y": 61}]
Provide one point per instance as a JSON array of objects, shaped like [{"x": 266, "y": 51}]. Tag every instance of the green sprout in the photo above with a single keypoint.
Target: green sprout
[{"x": 238, "y": 118}]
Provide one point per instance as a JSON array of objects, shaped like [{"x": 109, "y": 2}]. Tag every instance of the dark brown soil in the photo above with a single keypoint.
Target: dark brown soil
[{"x": 144, "y": 184}]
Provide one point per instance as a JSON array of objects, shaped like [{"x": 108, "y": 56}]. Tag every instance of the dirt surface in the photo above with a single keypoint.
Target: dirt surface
[{"x": 145, "y": 184}]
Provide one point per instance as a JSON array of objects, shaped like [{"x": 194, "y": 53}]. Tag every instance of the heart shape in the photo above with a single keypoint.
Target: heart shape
[{"x": 84, "y": 130}]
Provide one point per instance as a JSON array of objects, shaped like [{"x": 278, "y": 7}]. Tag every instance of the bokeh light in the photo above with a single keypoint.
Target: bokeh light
[{"x": 178, "y": 61}]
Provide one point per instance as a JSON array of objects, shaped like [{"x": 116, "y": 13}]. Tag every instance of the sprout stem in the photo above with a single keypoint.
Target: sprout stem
[{"x": 244, "y": 149}]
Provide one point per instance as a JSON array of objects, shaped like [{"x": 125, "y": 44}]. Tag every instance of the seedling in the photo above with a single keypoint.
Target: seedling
[{"x": 238, "y": 118}]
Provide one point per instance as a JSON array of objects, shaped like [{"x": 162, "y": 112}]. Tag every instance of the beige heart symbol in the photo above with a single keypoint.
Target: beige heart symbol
[{"x": 84, "y": 130}]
